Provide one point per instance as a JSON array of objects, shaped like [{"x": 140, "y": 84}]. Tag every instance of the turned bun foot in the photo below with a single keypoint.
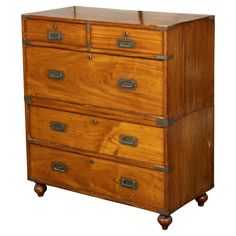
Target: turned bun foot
[
  {"x": 40, "y": 189},
  {"x": 202, "y": 199},
  {"x": 164, "y": 221}
]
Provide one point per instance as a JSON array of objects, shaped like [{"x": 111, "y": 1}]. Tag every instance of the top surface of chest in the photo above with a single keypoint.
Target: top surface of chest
[{"x": 141, "y": 19}]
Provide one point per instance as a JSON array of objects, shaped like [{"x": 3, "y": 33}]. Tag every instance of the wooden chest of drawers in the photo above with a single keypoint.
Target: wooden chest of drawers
[{"x": 120, "y": 105}]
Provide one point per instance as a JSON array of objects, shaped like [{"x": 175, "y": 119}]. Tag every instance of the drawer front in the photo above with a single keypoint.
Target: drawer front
[
  {"x": 99, "y": 135},
  {"x": 125, "y": 39},
  {"x": 56, "y": 32},
  {"x": 119, "y": 181},
  {"x": 115, "y": 82}
]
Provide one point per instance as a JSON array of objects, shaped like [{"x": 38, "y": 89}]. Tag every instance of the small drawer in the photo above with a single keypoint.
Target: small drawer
[
  {"x": 118, "y": 181},
  {"x": 98, "y": 135},
  {"x": 113, "y": 82},
  {"x": 126, "y": 39},
  {"x": 55, "y": 32}
]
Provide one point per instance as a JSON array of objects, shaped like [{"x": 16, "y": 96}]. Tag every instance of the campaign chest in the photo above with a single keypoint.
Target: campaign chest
[{"x": 120, "y": 105}]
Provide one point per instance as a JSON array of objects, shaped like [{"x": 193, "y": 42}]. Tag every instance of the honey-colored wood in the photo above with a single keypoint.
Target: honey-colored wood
[
  {"x": 95, "y": 81},
  {"x": 97, "y": 176},
  {"x": 173, "y": 164},
  {"x": 73, "y": 34},
  {"x": 146, "y": 41},
  {"x": 133, "y": 117},
  {"x": 102, "y": 16},
  {"x": 191, "y": 73},
  {"x": 190, "y": 152},
  {"x": 101, "y": 137},
  {"x": 134, "y": 162}
]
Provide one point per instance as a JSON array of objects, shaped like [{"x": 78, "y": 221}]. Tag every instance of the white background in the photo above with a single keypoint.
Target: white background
[{"x": 62, "y": 212}]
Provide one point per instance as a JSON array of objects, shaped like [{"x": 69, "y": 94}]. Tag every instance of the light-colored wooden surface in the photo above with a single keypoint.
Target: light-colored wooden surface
[
  {"x": 146, "y": 41},
  {"x": 98, "y": 176},
  {"x": 102, "y": 137},
  {"x": 141, "y": 19},
  {"x": 95, "y": 81},
  {"x": 73, "y": 34}
]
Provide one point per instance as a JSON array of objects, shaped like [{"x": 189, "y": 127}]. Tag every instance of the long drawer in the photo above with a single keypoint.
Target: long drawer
[
  {"x": 118, "y": 181},
  {"x": 114, "y": 82},
  {"x": 99, "y": 135}
]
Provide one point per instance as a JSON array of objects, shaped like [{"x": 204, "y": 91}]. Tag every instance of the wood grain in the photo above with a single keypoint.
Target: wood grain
[
  {"x": 96, "y": 111},
  {"x": 147, "y": 41},
  {"x": 97, "y": 176},
  {"x": 191, "y": 73},
  {"x": 190, "y": 152},
  {"x": 128, "y": 116},
  {"x": 73, "y": 34},
  {"x": 95, "y": 81},
  {"x": 102, "y": 16},
  {"x": 102, "y": 137}
]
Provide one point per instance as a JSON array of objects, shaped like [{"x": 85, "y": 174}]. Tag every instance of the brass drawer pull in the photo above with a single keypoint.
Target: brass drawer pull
[
  {"x": 55, "y": 35},
  {"x": 128, "y": 140},
  {"x": 58, "y": 126},
  {"x": 125, "y": 43},
  {"x": 128, "y": 183},
  {"x": 127, "y": 84},
  {"x": 56, "y": 74},
  {"x": 60, "y": 167}
]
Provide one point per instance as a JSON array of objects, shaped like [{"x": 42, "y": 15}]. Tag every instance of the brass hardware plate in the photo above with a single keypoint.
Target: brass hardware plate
[
  {"x": 164, "y": 57},
  {"x": 56, "y": 74},
  {"x": 128, "y": 140},
  {"x": 26, "y": 42},
  {"x": 128, "y": 183},
  {"x": 163, "y": 123},
  {"x": 58, "y": 126},
  {"x": 28, "y": 100},
  {"x": 212, "y": 17},
  {"x": 60, "y": 167},
  {"x": 164, "y": 27},
  {"x": 162, "y": 169},
  {"x": 55, "y": 35},
  {"x": 125, "y": 43},
  {"x": 127, "y": 84}
]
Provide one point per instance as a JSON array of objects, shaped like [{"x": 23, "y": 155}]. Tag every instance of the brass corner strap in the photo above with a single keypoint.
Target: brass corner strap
[
  {"x": 212, "y": 17},
  {"x": 162, "y": 169},
  {"x": 26, "y": 42},
  {"x": 164, "y": 123},
  {"x": 88, "y": 35},
  {"x": 28, "y": 100},
  {"x": 164, "y": 27},
  {"x": 164, "y": 57}
]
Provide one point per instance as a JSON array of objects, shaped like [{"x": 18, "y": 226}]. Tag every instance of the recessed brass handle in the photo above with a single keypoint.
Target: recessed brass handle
[
  {"x": 127, "y": 84},
  {"x": 55, "y": 35},
  {"x": 128, "y": 140},
  {"x": 60, "y": 167},
  {"x": 125, "y": 43},
  {"x": 58, "y": 126},
  {"x": 128, "y": 183},
  {"x": 56, "y": 74}
]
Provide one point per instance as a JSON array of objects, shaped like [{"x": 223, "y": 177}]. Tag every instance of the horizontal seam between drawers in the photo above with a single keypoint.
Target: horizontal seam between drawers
[{"x": 140, "y": 164}]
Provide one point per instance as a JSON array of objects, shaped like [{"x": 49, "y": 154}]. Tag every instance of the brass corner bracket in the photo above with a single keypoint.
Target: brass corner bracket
[
  {"x": 164, "y": 57},
  {"x": 164, "y": 123},
  {"x": 28, "y": 100}
]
